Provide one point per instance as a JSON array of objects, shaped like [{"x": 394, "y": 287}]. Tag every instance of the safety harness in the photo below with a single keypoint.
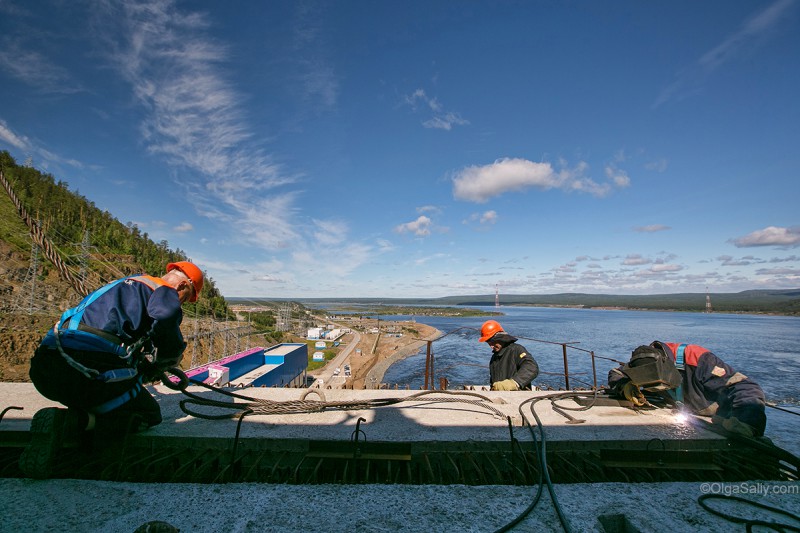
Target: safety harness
[{"x": 70, "y": 332}]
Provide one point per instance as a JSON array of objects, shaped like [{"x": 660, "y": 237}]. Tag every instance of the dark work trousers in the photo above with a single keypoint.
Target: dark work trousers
[{"x": 56, "y": 380}]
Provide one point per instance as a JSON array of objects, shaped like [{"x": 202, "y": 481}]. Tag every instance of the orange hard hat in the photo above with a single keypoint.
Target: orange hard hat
[
  {"x": 488, "y": 329},
  {"x": 194, "y": 274}
]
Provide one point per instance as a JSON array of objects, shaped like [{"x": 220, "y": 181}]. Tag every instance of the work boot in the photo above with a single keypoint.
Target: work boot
[{"x": 51, "y": 428}]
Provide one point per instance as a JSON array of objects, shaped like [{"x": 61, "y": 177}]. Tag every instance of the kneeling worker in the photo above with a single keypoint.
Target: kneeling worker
[
  {"x": 511, "y": 366},
  {"x": 92, "y": 361},
  {"x": 698, "y": 378}
]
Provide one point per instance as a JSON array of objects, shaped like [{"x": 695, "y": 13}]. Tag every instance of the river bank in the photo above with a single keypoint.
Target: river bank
[
  {"x": 376, "y": 373},
  {"x": 400, "y": 340}
]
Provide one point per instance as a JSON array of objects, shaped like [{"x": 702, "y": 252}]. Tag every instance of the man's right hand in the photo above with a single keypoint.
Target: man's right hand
[
  {"x": 505, "y": 384},
  {"x": 633, "y": 394}
]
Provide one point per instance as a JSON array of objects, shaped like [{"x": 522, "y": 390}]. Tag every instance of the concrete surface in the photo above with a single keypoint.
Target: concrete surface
[
  {"x": 425, "y": 419},
  {"x": 78, "y": 505}
]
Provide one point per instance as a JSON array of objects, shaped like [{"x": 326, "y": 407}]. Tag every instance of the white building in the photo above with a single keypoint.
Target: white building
[{"x": 334, "y": 334}]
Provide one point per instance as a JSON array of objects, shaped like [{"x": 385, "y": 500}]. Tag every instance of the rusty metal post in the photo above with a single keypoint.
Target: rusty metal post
[
  {"x": 433, "y": 366},
  {"x": 428, "y": 364},
  {"x": 594, "y": 370},
  {"x": 566, "y": 366},
  {"x": 443, "y": 382}
]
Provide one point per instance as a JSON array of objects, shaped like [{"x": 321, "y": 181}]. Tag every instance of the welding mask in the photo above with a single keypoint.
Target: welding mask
[{"x": 652, "y": 369}]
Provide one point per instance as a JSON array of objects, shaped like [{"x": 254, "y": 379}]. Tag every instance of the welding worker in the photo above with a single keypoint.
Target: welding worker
[
  {"x": 706, "y": 385},
  {"x": 511, "y": 366},
  {"x": 96, "y": 357}
]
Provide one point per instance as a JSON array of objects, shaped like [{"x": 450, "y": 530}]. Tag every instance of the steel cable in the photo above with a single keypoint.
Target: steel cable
[{"x": 259, "y": 406}]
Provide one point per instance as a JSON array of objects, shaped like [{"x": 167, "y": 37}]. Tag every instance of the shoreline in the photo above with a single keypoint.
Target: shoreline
[{"x": 380, "y": 368}]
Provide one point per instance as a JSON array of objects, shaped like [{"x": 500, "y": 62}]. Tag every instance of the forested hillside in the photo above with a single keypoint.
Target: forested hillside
[{"x": 94, "y": 246}]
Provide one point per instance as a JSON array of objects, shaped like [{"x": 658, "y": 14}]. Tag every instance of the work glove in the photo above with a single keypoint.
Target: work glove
[
  {"x": 633, "y": 394},
  {"x": 734, "y": 425},
  {"x": 506, "y": 384}
]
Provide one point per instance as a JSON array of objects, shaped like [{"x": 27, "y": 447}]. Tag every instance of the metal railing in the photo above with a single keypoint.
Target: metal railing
[{"x": 430, "y": 360}]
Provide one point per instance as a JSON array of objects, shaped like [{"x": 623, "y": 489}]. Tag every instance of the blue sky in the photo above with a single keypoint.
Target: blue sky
[{"x": 425, "y": 148}]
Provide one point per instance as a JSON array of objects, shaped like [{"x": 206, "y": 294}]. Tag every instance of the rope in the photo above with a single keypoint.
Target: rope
[{"x": 44, "y": 243}]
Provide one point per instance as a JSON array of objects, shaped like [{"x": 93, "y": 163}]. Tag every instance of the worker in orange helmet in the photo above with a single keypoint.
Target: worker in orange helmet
[
  {"x": 511, "y": 366},
  {"x": 98, "y": 355}
]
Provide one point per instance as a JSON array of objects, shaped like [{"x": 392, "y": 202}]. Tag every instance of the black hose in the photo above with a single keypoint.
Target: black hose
[
  {"x": 7, "y": 409},
  {"x": 749, "y": 522},
  {"x": 541, "y": 453}
]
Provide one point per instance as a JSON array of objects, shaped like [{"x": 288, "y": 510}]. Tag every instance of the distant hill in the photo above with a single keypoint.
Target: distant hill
[{"x": 780, "y": 302}]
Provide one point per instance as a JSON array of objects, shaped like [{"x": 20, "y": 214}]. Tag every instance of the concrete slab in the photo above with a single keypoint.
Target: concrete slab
[
  {"x": 438, "y": 416},
  {"x": 81, "y": 505}
]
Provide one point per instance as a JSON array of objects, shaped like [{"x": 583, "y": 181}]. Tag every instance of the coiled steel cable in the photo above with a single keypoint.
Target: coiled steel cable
[{"x": 260, "y": 406}]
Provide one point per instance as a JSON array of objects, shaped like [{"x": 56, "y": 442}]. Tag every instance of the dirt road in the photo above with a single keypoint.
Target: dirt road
[{"x": 368, "y": 365}]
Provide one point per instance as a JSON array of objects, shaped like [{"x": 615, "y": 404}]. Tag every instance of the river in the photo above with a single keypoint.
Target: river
[{"x": 765, "y": 348}]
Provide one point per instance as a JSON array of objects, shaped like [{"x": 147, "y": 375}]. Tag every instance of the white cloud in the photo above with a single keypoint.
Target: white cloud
[
  {"x": 423, "y": 260},
  {"x": 489, "y": 217},
  {"x": 268, "y": 278},
  {"x": 183, "y": 227},
  {"x": 652, "y": 228},
  {"x": 753, "y": 28},
  {"x": 330, "y": 232},
  {"x": 770, "y": 236},
  {"x": 790, "y": 258},
  {"x": 384, "y": 245},
  {"x": 315, "y": 77},
  {"x": 193, "y": 118},
  {"x": 659, "y": 165},
  {"x": 420, "y": 227},
  {"x": 690, "y": 79},
  {"x": 443, "y": 120},
  {"x": 35, "y": 70},
  {"x": 21, "y": 142},
  {"x": 12, "y": 138},
  {"x": 636, "y": 259},
  {"x": 795, "y": 272},
  {"x": 666, "y": 268},
  {"x": 480, "y": 183},
  {"x": 617, "y": 176}
]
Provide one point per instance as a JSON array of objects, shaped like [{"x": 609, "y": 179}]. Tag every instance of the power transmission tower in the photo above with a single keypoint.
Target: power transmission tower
[
  {"x": 30, "y": 277},
  {"x": 225, "y": 338},
  {"x": 194, "y": 344},
  {"x": 211, "y": 338},
  {"x": 84, "y": 259},
  {"x": 32, "y": 270},
  {"x": 496, "y": 297},
  {"x": 708, "y": 302},
  {"x": 285, "y": 317}
]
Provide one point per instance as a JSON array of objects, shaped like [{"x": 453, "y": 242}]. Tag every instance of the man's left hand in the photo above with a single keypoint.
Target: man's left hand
[{"x": 506, "y": 384}]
